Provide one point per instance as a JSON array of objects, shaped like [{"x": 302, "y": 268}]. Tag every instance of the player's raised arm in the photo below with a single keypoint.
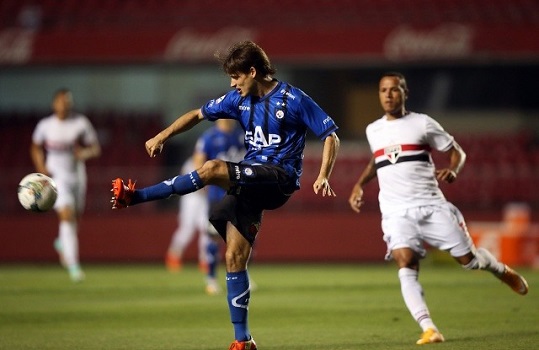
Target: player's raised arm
[
  {"x": 154, "y": 146},
  {"x": 329, "y": 155}
]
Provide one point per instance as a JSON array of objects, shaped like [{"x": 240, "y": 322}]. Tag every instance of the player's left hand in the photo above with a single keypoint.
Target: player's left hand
[
  {"x": 323, "y": 184},
  {"x": 446, "y": 175}
]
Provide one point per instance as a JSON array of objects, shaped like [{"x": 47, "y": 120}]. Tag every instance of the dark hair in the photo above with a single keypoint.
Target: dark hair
[
  {"x": 398, "y": 75},
  {"x": 244, "y": 55},
  {"x": 61, "y": 91}
]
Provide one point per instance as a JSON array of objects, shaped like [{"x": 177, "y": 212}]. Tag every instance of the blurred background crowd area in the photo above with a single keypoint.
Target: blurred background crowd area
[
  {"x": 134, "y": 66},
  {"x": 51, "y": 15}
]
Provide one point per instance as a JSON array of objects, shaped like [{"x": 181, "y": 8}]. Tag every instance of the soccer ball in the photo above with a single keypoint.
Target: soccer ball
[{"x": 37, "y": 192}]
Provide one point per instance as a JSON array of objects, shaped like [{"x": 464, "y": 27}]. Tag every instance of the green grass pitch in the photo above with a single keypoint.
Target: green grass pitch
[{"x": 295, "y": 306}]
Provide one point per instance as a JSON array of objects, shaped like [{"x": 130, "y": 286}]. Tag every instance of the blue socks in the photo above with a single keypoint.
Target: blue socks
[
  {"x": 237, "y": 284},
  {"x": 180, "y": 185},
  {"x": 213, "y": 257}
]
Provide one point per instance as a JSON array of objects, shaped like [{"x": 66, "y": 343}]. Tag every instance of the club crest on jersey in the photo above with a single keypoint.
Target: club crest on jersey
[
  {"x": 279, "y": 114},
  {"x": 392, "y": 153},
  {"x": 248, "y": 171}
]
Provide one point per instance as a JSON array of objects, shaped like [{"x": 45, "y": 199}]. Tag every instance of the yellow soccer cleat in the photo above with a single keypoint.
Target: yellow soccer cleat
[
  {"x": 430, "y": 336},
  {"x": 514, "y": 280}
]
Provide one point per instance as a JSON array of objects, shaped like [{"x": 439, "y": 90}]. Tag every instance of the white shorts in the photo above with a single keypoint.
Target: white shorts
[
  {"x": 70, "y": 194},
  {"x": 440, "y": 226},
  {"x": 193, "y": 211}
]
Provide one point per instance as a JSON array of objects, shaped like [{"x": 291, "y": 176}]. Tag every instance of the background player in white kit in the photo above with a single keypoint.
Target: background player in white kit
[
  {"x": 61, "y": 143},
  {"x": 414, "y": 210},
  {"x": 192, "y": 218}
]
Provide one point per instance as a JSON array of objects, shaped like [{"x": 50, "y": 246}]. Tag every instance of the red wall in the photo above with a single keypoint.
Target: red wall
[
  {"x": 133, "y": 235},
  {"x": 136, "y": 235}
]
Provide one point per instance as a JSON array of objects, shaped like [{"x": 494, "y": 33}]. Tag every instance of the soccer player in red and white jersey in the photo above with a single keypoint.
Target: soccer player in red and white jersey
[
  {"x": 61, "y": 143},
  {"x": 414, "y": 209}
]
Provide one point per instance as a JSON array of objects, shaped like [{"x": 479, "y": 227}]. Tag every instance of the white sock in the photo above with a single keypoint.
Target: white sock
[
  {"x": 70, "y": 243},
  {"x": 490, "y": 262},
  {"x": 412, "y": 292},
  {"x": 484, "y": 260}
]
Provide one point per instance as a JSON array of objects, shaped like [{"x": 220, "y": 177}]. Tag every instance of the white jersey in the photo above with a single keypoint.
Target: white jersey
[
  {"x": 404, "y": 165},
  {"x": 59, "y": 139}
]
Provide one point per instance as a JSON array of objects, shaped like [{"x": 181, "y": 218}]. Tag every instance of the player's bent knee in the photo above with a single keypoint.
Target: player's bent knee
[
  {"x": 213, "y": 167},
  {"x": 235, "y": 261},
  {"x": 472, "y": 265},
  {"x": 479, "y": 262}
]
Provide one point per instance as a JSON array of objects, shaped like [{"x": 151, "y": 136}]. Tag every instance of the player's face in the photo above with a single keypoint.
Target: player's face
[
  {"x": 244, "y": 83},
  {"x": 62, "y": 104},
  {"x": 392, "y": 95}
]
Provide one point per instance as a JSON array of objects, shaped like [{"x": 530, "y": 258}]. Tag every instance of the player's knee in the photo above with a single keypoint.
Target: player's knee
[
  {"x": 212, "y": 168},
  {"x": 472, "y": 265},
  {"x": 235, "y": 261},
  {"x": 67, "y": 213},
  {"x": 478, "y": 262},
  {"x": 214, "y": 165}
]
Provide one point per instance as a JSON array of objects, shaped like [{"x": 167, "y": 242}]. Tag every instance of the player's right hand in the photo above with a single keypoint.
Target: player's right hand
[
  {"x": 154, "y": 146},
  {"x": 355, "y": 200}
]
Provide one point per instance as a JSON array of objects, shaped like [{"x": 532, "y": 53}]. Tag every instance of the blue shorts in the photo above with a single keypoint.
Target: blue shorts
[{"x": 255, "y": 188}]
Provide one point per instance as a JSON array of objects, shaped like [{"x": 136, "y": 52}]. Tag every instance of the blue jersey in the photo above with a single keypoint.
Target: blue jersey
[
  {"x": 275, "y": 125},
  {"x": 217, "y": 144}
]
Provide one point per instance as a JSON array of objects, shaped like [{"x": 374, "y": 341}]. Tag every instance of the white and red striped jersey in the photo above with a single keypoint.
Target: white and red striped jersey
[
  {"x": 403, "y": 161},
  {"x": 59, "y": 138}
]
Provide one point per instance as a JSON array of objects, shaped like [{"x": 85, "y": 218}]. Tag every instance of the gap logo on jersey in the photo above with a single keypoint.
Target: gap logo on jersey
[{"x": 257, "y": 138}]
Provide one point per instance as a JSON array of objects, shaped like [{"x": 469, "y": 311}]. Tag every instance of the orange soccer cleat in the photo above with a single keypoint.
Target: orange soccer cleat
[
  {"x": 121, "y": 194},
  {"x": 243, "y": 345}
]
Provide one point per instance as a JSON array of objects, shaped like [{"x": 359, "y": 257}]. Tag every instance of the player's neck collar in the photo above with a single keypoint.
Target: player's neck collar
[{"x": 272, "y": 90}]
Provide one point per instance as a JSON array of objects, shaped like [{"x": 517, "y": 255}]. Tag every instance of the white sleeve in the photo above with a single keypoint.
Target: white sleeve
[
  {"x": 38, "y": 136},
  {"x": 437, "y": 137},
  {"x": 90, "y": 135}
]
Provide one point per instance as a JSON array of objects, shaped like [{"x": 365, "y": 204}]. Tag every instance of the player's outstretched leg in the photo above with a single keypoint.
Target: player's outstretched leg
[
  {"x": 484, "y": 260},
  {"x": 124, "y": 196}
]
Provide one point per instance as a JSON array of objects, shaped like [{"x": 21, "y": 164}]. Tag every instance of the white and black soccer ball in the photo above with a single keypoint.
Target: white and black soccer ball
[{"x": 37, "y": 192}]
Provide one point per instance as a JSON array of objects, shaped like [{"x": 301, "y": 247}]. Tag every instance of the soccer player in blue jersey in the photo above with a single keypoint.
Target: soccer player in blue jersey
[{"x": 275, "y": 117}]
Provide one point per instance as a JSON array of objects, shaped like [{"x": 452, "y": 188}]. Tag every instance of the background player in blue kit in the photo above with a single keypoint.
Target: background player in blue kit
[
  {"x": 275, "y": 117},
  {"x": 222, "y": 141}
]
